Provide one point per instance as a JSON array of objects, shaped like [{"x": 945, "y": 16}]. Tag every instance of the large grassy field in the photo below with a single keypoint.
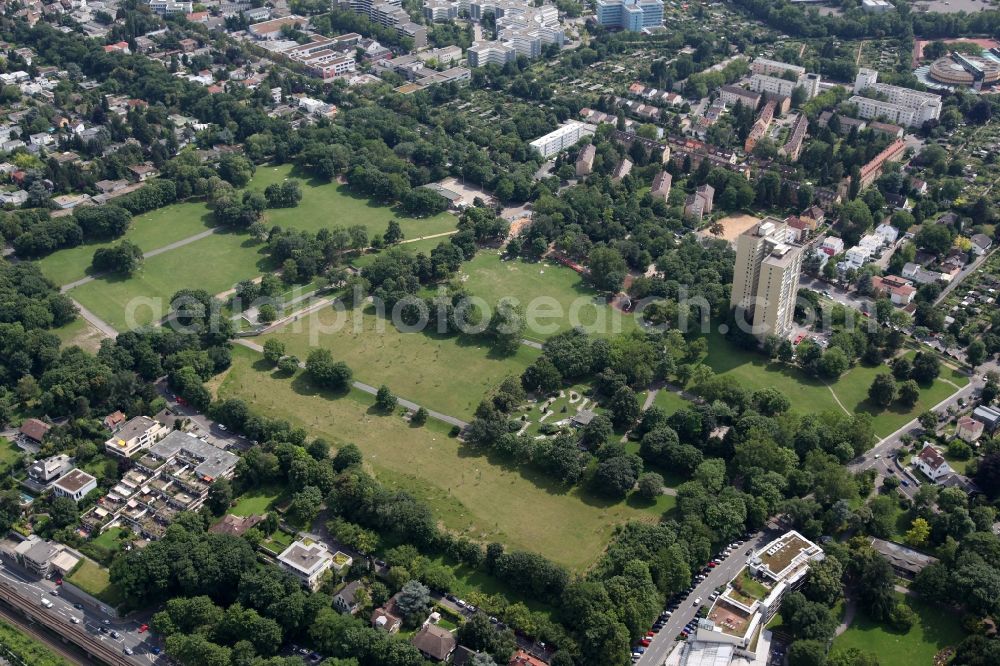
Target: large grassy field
[
  {"x": 468, "y": 493},
  {"x": 214, "y": 264},
  {"x": 446, "y": 373},
  {"x": 935, "y": 629},
  {"x": 149, "y": 231},
  {"x": 808, "y": 394},
  {"x": 329, "y": 204},
  {"x": 544, "y": 288}
]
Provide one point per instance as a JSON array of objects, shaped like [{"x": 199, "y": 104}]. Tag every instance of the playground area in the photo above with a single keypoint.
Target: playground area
[{"x": 558, "y": 411}]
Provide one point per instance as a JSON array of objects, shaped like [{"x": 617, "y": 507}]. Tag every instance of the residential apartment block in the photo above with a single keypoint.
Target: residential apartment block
[
  {"x": 136, "y": 435},
  {"x": 766, "y": 277},
  {"x": 793, "y": 146},
  {"x": 631, "y": 15},
  {"x": 585, "y": 160},
  {"x": 732, "y": 95},
  {"x": 558, "y": 140},
  {"x": 522, "y": 30},
  {"x": 389, "y": 14},
  {"x": 766, "y": 67},
  {"x": 173, "y": 475},
  {"x": 902, "y": 106},
  {"x": 751, "y": 599},
  {"x": 661, "y": 186}
]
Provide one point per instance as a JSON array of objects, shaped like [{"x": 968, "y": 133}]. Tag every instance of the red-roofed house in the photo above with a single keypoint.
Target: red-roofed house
[
  {"x": 522, "y": 658},
  {"x": 932, "y": 463},
  {"x": 801, "y": 227},
  {"x": 120, "y": 47},
  {"x": 900, "y": 290},
  {"x": 197, "y": 17},
  {"x": 33, "y": 431}
]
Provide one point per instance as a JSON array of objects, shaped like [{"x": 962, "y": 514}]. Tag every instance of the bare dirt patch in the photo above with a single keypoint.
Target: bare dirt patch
[{"x": 732, "y": 227}]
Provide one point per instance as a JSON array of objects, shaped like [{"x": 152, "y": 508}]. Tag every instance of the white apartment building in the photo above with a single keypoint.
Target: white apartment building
[
  {"x": 558, "y": 140},
  {"x": 902, "y": 106},
  {"x": 766, "y": 277},
  {"x": 170, "y": 7},
  {"x": 136, "y": 435},
  {"x": 767, "y": 67},
  {"x": 307, "y": 560},
  {"x": 773, "y": 85},
  {"x": 777, "y": 85}
]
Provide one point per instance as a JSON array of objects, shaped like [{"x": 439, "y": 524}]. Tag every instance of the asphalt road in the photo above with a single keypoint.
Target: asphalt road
[
  {"x": 31, "y": 590},
  {"x": 664, "y": 641}
]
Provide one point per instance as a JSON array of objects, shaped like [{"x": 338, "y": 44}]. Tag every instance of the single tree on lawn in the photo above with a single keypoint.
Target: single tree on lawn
[
  {"x": 384, "y": 399},
  {"x": 274, "y": 349},
  {"x": 883, "y": 390}
]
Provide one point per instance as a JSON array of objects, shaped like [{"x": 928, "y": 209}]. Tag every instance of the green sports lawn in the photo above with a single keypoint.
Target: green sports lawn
[
  {"x": 807, "y": 394},
  {"x": 935, "y": 629},
  {"x": 331, "y": 204},
  {"x": 214, "y": 264},
  {"x": 445, "y": 373},
  {"x": 467, "y": 491},
  {"x": 149, "y": 231},
  {"x": 563, "y": 290}
]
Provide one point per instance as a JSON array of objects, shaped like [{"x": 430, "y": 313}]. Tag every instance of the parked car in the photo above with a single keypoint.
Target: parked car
[{"x": 644, "y": 642}]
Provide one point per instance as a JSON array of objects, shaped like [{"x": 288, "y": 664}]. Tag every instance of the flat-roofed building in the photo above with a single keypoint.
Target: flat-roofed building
[
  {"x": 75, "y": 485},
  {"x": 560, "y": 139},
  {"x": 766, "y": 277},
  {"x": 136, "y": 435},
  {"x": 308, "y": 561},
  {"x": 631, "y": 15}
]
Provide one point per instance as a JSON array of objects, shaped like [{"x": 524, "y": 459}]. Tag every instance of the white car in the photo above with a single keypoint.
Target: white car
[
  {"x": 697, "y": 602},
  {"x": 74, "y": 619}
]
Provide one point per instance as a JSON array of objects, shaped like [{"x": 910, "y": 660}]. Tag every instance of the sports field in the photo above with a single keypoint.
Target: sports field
[
  {"x": 935, "y": 629},
  {"x": 545, "y": 288},
  {"x": 329, "y": 204},
  {"x": 808, "y": 394},
  {"x": 446, "y": 373},
  {"x": 468, "y": 493}
]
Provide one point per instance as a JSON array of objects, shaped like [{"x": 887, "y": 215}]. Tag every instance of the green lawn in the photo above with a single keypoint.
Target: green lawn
[
  {"x": 326, "y": 205},
  {"x": 446, "y": 373},
  {"x": 668, "y": 400},
  {"x": 807, "y": 394},
  {"x": 214, "y": 264},
  {"x": 94, "y": 580},
  {"x": 109, "y": 539},
  {"x": 256, "y": 502},
  {"x": 10, "y": 453},
  {"x": 936, "y": 629},
  {"x": 469, "y": 493},
  {"x": 555, "y": 296},
  {"x": 149, "y": 231}
]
